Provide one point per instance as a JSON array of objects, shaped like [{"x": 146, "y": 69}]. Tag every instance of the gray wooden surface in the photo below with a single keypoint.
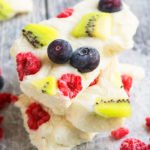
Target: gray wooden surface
[{"x": 15, "y": 136}]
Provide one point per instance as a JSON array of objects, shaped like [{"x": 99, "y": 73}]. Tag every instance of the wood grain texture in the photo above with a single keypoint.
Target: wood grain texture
[{"x": 15, "y": 136}]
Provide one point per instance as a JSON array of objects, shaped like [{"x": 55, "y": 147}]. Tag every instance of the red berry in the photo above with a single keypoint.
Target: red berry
[
  {"x": 133, "y": 144},
  {"x": 6, "y": 98},
  {"x": 95, "y": 81},
  {"x": 27, "y": 64},
  {"x": 70, "y": 85},
  {"x": 36, "y": 116},
  {"x": 148, "y": 122},
  {"x": 148, "y": 147},
  {"x": 14, "y": 98},
  {"x": 119, "y": 133},
  {"x": 127, "y": 82},
  {"x": 1, "y": 133},
  {"x": 1, "y": 119},
  {"x": 66, "y": 13}
]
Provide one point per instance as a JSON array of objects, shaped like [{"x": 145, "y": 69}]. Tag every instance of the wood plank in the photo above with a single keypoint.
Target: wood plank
[
  {"x": 15, "y": 136},
  {"x": 142, "y": 38}
]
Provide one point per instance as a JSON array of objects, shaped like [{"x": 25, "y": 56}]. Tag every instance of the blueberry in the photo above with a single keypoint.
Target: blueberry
[
  {"x": 1, "y": 82},
  {"x": 85, "y": 59},
  {"x": 59, "y": 51},
  {"x": 110, "y": 6}
]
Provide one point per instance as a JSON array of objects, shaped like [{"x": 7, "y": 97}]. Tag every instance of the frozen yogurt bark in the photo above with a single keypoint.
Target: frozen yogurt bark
[
  {"x": 102, "y": 106},
  {"x": 54, "y": 85},
  {"x": 10, "y": 8},
  {"x": 48, "y": 131},
  {"x": 107, "y": 32}
]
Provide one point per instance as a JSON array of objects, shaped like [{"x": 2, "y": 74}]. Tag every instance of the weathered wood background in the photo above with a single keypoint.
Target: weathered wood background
[{"x": 15, "y": 136}]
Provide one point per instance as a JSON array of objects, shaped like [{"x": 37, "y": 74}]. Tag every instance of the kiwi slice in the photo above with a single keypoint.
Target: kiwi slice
[
  {"x": 113, "y": 108},
  {"x": 39, "y": 35},
  {"x": 95, "y": 24},
  {"x": 47, "y": 85},
  {"x": 5, "y": 10}
]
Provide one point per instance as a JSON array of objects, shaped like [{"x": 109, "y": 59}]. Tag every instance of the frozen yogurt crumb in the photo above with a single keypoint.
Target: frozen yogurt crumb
[{"x": 57, "y": 133}]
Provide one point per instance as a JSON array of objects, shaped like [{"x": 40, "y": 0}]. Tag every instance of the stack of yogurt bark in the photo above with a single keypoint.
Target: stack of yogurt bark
[
  {"x": 10, "y": 8},
  {"x": 70, "y": 74}
]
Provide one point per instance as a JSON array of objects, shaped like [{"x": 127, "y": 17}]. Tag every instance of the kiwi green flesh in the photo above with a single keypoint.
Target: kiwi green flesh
[
  {"x": 45, "y": 87},
  {"x": 111, "y": 109},
  {"x": 5, "y": 10},
  {"x": 86, "y": 26},
  {"x": 39, "y": 35}
]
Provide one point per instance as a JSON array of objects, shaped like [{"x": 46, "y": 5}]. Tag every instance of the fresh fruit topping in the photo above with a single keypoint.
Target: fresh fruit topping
[
  {"x": 66, "y": 13},
  {"x": 96, "y": 24},
  {"x": 113, "y": 108},
  {"x": 59, "y": 51},
  {"x": 85, "y": 59},
  {"x": 39, "y": 35},
  {"x": 95, "y": 81},
  {"x": 27, "y": 64},
  {"x": 7, "y": 98},
  {"x": 1, "y": 133},
  {"x": 1, "y": 82},
  {"x": 148, "y": 122},
  {"x": 110, "y": 6},
  {"x": 133, "y": 144},
  {"x": 47, "y": 85},
  {"x": 5, "y": 10},
  {"x": 36, "y": 116},
  {"x": 119, "y": 133},
  {"x": 127, "y": 82},
  {"x": 70, "y": 85}
]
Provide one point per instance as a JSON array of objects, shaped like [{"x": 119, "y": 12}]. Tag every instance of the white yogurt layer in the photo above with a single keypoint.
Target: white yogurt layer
[
  {"x": 81, "y": 113},
  {"x": 125, "y": 25},
  {"x": 56, "y": 134},
  {"x": 15, "y": 7},
  {"x": 137, "y": 73},
  {"x": 21, "y": 6}
]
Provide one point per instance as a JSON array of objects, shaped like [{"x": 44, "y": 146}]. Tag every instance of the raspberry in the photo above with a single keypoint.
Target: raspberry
[
  {"x": 127, "y": 82},
  {"x": 148, "y": 122},
  {"x": 95, "y": 81},
  {"x": 119, "y": 133},
  {"x": 1, "y": 133},
  {"x": 36, "y": 116},
  {"x": 133, "y": 144},
  {"x": 6, "y": 98},
  {"x": 27, "y": 64},
  {"x": 148, "y": 147},
  {"x": 1, "y": 119},
  {"x": 66, "y": 13},
  {"x": 70, "y": 85}
]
